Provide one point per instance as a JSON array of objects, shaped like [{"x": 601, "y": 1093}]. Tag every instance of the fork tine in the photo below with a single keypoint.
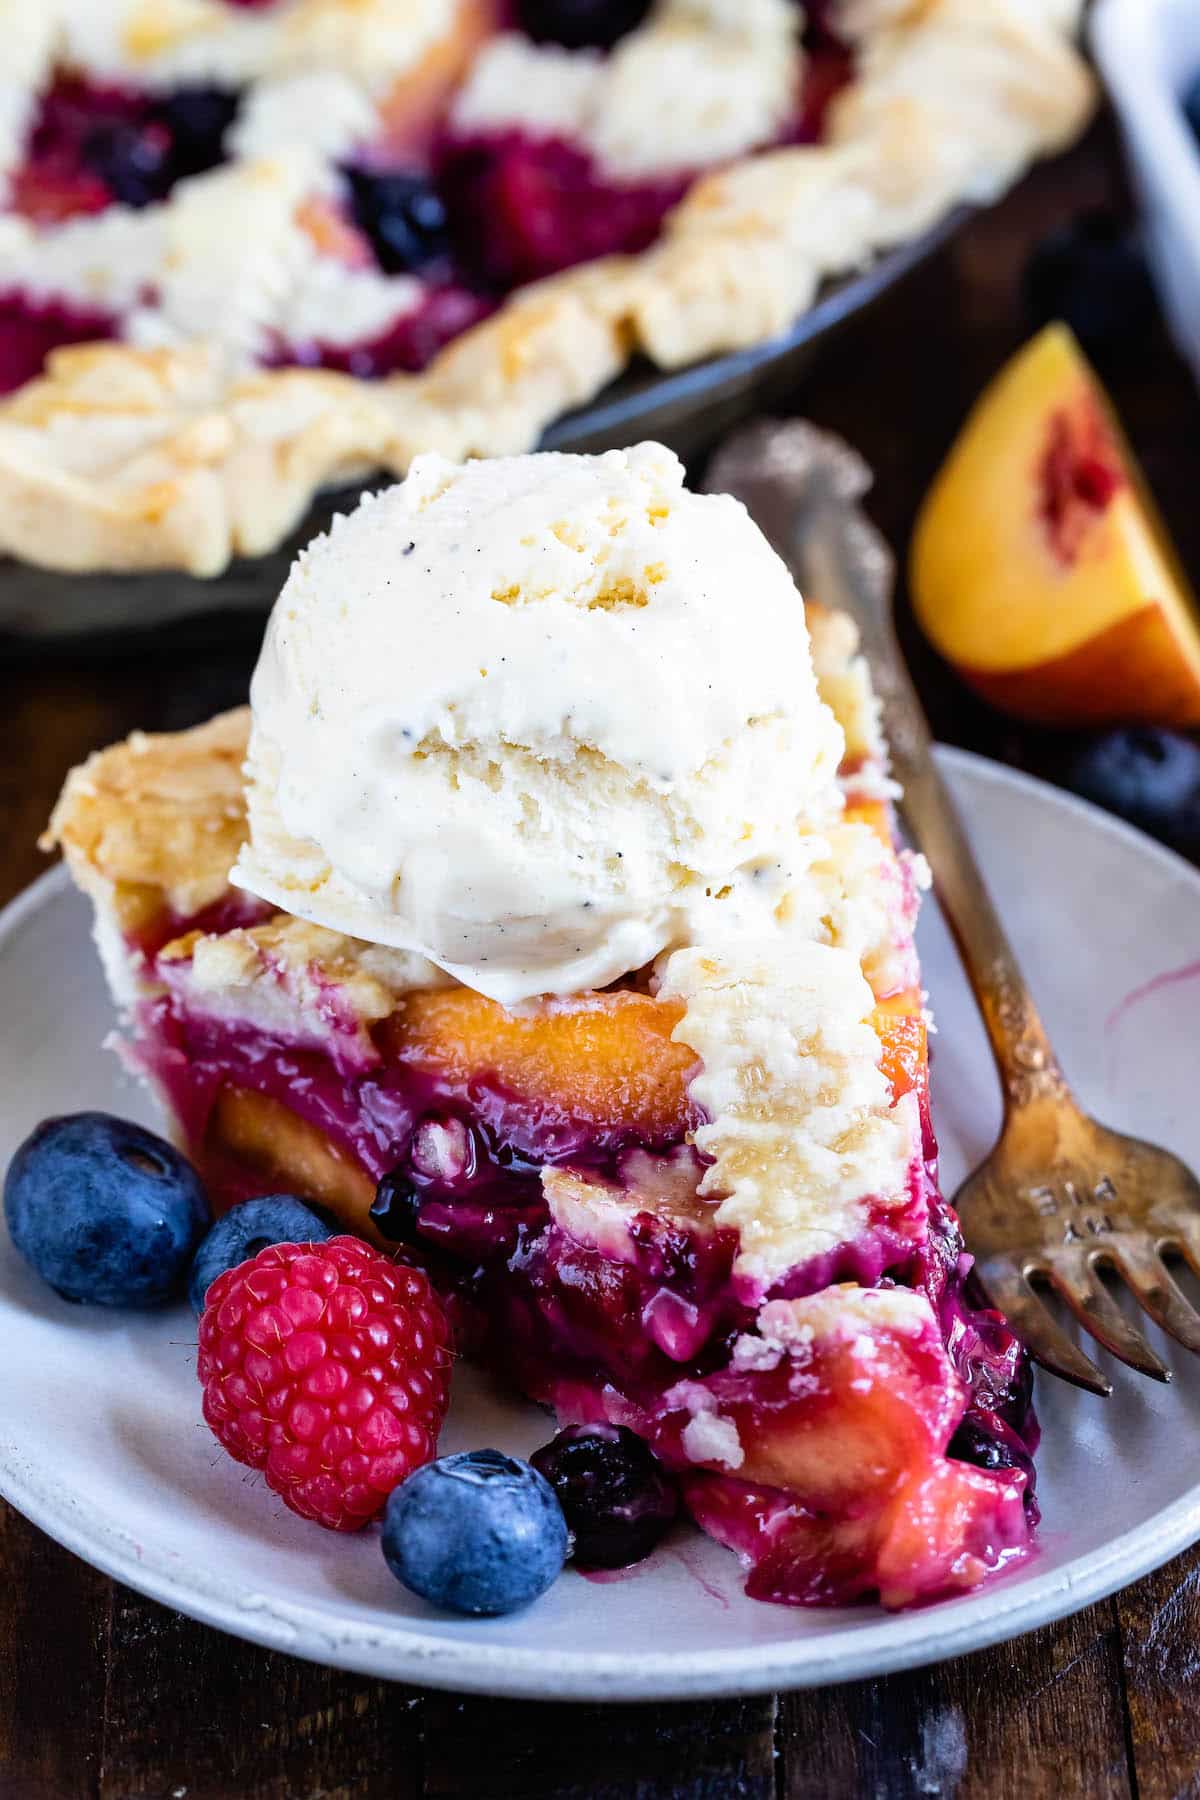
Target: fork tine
[
  {"x": 1155, "y": 1290},
  {"x": 1084, "y": 1292},
  {"x": 1046, "y": 1342},
  {"x": 1185, "y": 1234}
]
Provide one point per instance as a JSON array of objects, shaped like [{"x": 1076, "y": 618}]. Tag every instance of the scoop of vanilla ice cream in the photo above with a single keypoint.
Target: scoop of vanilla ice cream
[{"x": 531, "y": 717}]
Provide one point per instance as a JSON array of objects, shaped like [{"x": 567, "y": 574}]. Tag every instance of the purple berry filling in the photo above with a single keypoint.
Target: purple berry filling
[
  {"x": 31, "y": 329},
  {"x": 520, "y": 208},
  {"x": 497, "y": 211},
  {"x": 94, "y": 145},
  {"x": 408, "y": 345}
]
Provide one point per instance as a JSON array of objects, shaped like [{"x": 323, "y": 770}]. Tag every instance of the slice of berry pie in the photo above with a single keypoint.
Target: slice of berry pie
[
  {"x": 253, "y": 247},
  {"x": 544, "y": 920}
]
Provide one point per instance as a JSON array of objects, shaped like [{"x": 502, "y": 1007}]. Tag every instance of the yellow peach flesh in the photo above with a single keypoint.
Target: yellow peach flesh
[{"x": 1022, "y": 566}]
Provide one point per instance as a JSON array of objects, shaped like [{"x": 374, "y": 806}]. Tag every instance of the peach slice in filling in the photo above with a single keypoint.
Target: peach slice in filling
[
  {"x": 899, "y": 1023},
  {"x": 822, "y": 1456},
  {"x": 608, "y": 1060}
]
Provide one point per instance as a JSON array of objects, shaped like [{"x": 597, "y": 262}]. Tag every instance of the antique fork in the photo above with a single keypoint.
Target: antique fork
[{"x": 1060, "y": 1197}]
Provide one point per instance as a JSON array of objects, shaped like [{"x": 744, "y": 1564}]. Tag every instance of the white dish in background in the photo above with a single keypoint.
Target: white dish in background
[
  {"x": 1149, "y": 53},
  {"x": 102, "y": 1445}
]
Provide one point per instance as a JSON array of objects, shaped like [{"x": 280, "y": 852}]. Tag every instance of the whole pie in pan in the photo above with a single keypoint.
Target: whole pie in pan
[
  {"x": 545, "y": 921},
  {"x": 249, "y": 248}
]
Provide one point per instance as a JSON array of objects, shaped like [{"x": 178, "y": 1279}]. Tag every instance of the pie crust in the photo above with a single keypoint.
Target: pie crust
[{"x": 181, "y": 454}]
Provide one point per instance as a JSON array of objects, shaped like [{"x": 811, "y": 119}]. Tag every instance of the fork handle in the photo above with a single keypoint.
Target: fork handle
[
  {"x": 1029, "y": 1069},
  {"x": 843, "y": 576}
]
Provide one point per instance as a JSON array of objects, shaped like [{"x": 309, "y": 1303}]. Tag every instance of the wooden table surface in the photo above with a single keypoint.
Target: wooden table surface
[{"x": 105, "y": 1694}]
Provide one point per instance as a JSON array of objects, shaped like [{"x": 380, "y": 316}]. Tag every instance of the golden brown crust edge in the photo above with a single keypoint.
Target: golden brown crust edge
[{"x": 156, "y": 820}]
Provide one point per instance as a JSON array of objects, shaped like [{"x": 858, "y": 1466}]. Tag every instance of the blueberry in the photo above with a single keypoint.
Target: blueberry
[
  {"x": 580, "y": 24},
  {"x": 396, "y": 1208},
  {"x": 404, "y": 217},
  {"x": 615, "y": 1494},
  {"x": 1092, "y": 273},
  {"x": 971, "y": 1443},
  {"x": 249, "y": 1228},
  {"x": 106, "y": 1212},
  {"x": 1191, "y": 105},
  {"x": 132, "y": 160},
  {"x": 479, "y": 1532},
  {"x": 1150, "y": 777},
  {"x": 140, "y": 158},
  {"x": 197, "y": 119},
  {"x": 974, "y": 1443}
]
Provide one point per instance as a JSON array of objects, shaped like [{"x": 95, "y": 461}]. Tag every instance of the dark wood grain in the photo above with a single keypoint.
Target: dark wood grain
[
  {"x": 485, "y": 1749},
  {"x": 54, "y": 1616},
  {"x": 106, "y": 1696},
  {"x": 1032, "y": 1723},
  {"x": 193, "y": 1710},
  {"x": 1160, "y": 1643}
]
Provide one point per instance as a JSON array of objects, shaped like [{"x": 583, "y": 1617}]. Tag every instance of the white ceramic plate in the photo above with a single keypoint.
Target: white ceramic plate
[{"x": 102, "y": 1444}]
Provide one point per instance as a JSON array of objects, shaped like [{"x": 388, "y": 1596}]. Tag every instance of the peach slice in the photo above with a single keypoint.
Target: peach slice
[
  {"x": 942, "y": 1531},
  {"x": 877, "y": 815},
  {"x": 332, "y": 234},
  {"x": 858, "y": 1423},
  {"x": 414, "y": 103},
  {"x": 606, "y": 1059},
  {"x": 899, "y": 1025},
  {"x": 289, "y": 1153},
  {"x": 1040, "y": 568},
  {"x": 842, "y": 1483}
]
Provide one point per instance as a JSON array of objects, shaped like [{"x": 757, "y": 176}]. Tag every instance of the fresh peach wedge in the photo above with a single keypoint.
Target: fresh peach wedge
[{"x": 1040, "y": 568}]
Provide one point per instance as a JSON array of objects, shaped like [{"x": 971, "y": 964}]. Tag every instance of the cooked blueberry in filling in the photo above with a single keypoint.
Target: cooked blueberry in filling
[
  {"x": 404, "y": 217},
  {"x": 615, "y": 1494},
  {"x": 578, "y": 24},
  {"x": 452, "y": 1193},
  {"x": 396, "y": 1212},
  {"x": 94, "y": 146},
  {"x": 55, "y": 181},
  {"x": 197, "y": 119},
  {"x": 973, "y": 1443},
  {"x": 133, "y": 161}
]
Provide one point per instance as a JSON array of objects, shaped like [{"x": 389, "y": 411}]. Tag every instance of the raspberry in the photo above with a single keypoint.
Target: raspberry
[{"x": 326, "y": 1366}]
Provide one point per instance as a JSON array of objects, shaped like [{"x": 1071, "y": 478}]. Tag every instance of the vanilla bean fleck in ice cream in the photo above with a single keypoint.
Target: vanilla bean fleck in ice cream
[{"x": 534, "y": 718}]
